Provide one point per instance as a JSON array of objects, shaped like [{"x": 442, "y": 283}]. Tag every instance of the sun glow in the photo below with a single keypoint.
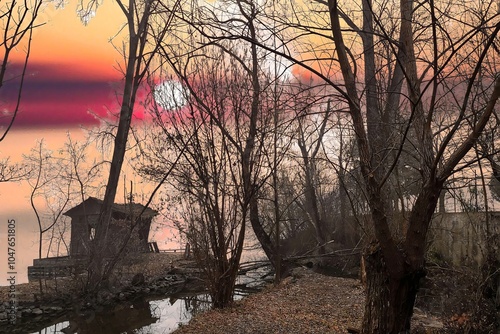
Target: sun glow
[{"x": 170, "y": 95}]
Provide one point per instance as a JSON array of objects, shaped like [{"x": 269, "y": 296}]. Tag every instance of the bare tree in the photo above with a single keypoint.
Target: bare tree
[
  {"x": 42, "y": 176},
  {"x": 209, "y": 134},
  {"x": 229, "y": 136},
  {"x": 12, "y": 172},
  {"x": 17, "y": 20},
  {"x": 216, "y": 220},
  {"x": 58, "y": 179},
  {"x": 422, "y": 59},
  {"x": 220, "y": 26},
  {"x": 144, "y": 35},
  {"x": 310, "y": 142},
  {"x": 394, "y": 268}
]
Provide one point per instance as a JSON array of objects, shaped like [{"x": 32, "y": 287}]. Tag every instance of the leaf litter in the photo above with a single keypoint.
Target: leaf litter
[{"x": 306, "y": 303}]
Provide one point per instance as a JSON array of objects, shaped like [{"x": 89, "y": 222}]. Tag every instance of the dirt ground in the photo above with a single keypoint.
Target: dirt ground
[
  {"x": 316, "y": 303},
  {"x": 308, "y": 303}
]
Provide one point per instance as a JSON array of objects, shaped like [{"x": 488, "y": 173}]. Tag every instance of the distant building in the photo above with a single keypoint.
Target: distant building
[{"x": 84, "y": 219}]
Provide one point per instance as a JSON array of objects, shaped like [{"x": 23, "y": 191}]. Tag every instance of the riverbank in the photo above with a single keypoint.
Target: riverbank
[
  {"x": 151, "y": 265},
  {"x": 306, "y": 302},
  {"x": 138, "y": 276}
]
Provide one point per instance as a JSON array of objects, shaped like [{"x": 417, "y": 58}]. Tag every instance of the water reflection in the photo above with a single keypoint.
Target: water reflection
[
  {"x": 141, "y": 316},
  {"x": 54, "y": 328},
  {"x": 145, "y": 316},
  {"x": 172, "y": 312}
]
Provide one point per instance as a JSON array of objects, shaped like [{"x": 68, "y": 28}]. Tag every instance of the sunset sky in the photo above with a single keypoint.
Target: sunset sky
[{"x": 71, "y": 70}]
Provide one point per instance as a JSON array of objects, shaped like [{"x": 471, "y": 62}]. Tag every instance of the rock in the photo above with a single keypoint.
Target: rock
[
  {"x": 103, "y": 297},
  {"x": 68, "y": 330},
  {"x": 426, "y": 321},
  {"x": 134, "y": 290},
  {"x": 56, "y": 308},
  {"x": 37, "y": 311},
  {"x": 3, "y": 316},
  {"x": 52, "y": 309},
  {"x": 299, "y": 272}
]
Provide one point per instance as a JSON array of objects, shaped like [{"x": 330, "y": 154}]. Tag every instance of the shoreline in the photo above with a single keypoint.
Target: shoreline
[{"x": 162, "y": 274}]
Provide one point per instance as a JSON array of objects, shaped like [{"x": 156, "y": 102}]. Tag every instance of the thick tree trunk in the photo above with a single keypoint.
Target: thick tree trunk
[
  {"x": 393, "y": 275},
  {"x": 223, "y": 289},
  {"x": 98, "y": 269},
  {"x": 390, "y": 300},
  {"x": 223, "y": 297}
]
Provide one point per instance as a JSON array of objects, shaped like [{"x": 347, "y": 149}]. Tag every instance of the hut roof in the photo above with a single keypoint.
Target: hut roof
[{"x": 92, "y": 206}]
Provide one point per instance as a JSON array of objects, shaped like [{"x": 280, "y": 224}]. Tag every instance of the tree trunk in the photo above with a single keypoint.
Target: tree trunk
[
  {"x": 225, "y": 275},
  {"x": 265, "y": 241},
  {"x": 98, "y": 269},
  {"x": 313, "y": 211},
  {"x": 223, "y": 289},
  {"x": 342, "y": 236},
  {"x": 310, "y": 191},
  {"x": 390, "y": 300}
]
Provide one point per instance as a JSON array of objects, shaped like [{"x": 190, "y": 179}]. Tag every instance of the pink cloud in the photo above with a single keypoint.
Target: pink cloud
[{"x": 55, "y": 95}]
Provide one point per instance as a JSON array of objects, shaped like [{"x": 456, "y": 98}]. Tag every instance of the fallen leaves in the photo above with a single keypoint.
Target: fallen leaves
[{"x": 312, "y": 304}]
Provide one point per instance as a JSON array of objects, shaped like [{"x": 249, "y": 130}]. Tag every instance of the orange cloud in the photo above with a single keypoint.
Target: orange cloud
[{"x": 64, "y": 40}]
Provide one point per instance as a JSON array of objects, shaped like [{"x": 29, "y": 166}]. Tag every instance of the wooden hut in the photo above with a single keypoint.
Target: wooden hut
[{"x": 85, "y": 217}]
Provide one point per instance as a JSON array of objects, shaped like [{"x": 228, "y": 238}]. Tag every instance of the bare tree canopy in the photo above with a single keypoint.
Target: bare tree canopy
[{"x": 17, "y": 21}]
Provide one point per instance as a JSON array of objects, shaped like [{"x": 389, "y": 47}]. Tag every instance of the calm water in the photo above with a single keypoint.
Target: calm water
[
  {"x": 143, "y": 316},
  {"x": 147, "y": 316}
]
